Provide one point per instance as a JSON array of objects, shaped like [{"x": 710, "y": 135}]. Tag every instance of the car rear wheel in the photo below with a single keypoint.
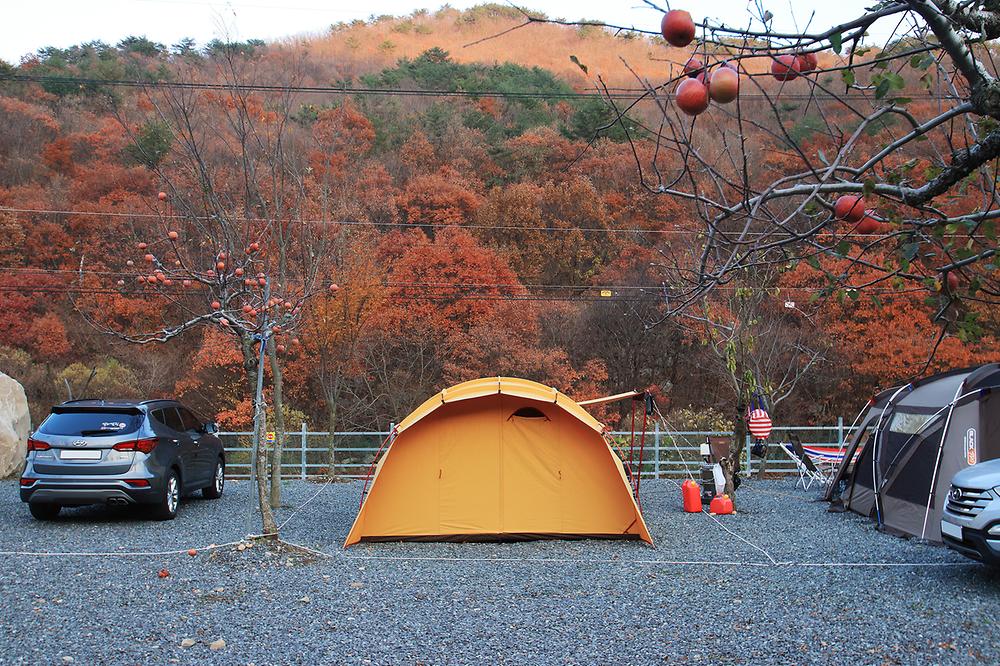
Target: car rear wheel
[
  {"x": 214, "y": 490},
  {"x": 166, "y": 508},
  {"x": 44, "y": 511}
]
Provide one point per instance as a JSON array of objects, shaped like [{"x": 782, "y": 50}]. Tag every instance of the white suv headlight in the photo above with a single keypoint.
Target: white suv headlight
[{"x": 995, "y": 531}]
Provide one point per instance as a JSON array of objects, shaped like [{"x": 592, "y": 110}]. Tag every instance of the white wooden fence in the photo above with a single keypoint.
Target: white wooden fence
[{"x": 667, "y": 454}]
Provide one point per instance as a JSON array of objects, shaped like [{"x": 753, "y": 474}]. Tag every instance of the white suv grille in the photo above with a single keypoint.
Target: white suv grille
[{"x": 967, "y": 501}]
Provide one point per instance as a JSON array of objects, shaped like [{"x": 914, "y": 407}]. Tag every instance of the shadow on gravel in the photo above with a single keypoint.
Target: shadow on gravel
[{"x": 103, "y": 513}]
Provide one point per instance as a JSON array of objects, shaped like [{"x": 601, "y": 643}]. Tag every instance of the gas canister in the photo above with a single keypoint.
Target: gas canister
[
  {"x": 721, "y": 505},
  {"x": 691, "y": 493}
]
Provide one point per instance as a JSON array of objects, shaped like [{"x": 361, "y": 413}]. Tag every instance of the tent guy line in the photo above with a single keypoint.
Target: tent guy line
[{"x": 505, "y": 560}]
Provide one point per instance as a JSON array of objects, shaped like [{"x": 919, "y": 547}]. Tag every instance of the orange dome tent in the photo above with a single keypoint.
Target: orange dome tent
[{"x": 495, "y": 459}]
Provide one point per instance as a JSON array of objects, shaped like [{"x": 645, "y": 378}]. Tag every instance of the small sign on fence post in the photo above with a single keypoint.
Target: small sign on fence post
[{"x": 269, "y": 437}]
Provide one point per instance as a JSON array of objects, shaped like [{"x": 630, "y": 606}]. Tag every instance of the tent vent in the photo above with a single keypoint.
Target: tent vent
[{"x": 529, "y": 413}]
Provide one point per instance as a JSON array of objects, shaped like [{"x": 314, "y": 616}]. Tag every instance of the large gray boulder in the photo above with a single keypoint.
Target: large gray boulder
[{"x": 15, "y": 424}]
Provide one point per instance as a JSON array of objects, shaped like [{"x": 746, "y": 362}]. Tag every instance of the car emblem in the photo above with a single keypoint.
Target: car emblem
[
  {"x": 956, "y": 494},
  {"x": 80, "y": 442}
]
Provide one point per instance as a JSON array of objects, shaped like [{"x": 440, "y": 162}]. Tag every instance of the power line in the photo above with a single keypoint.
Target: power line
[
  {"x": 445, "y": 290},
  {"x": 625, "y": 94},
  {"x": 415, "y": 225},
  {"x": 68, "y": 272},
  {"x": 434, "y": 298},
  {"x": 341, "y": 90},
  {"x": 348, "y": 223},
  {"x": 227, "y": 5}
]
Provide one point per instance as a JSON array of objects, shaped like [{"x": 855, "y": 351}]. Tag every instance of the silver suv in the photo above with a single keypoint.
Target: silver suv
[
  {"x": 970, "y": 523},
  {"x": 119, "y": 453}
]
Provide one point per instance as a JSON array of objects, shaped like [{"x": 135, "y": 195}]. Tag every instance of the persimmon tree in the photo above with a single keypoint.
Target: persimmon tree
[
  {"x": 910, "y": 127},
  {"x": 225, "y": 243},
  {"x": 826, "y": 146}
]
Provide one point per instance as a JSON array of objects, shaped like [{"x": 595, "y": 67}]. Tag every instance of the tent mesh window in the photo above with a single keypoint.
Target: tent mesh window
[
  {"x": 863, "y": 467},
  {"x": 529, "y": 413},
  {"x": 913, "y": 482}
]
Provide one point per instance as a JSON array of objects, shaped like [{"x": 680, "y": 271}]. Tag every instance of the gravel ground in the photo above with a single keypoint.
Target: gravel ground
[{"x": 409, "y": 603}]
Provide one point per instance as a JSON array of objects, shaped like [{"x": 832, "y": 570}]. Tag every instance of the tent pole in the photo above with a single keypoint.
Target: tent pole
[
  {"x": 937, "y": 460},
  {"x": 845, "y": 445},
  {"x": 642, "y": 445},
  {"x": 878, "y": 446},
  {"x": 631, "y": 445}
]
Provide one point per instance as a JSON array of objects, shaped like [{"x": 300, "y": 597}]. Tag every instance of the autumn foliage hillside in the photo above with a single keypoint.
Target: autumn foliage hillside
[{"x": 467, "y": 235}]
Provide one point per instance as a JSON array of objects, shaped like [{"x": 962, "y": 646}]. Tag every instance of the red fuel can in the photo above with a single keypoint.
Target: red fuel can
[
  {"x": 721, "y": 505},
  {"x": 691, "y": 493}
]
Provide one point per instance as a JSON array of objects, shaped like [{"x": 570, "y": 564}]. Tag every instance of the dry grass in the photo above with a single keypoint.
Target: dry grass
[
  {"x": 479, "y": 35},
  {"x": 364, "y": 47}
]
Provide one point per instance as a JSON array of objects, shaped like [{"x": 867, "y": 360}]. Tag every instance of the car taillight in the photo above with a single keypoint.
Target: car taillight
[
  {"x": 35, "y": 445},
  {"x": 137, "y": 483},
  {"x": 26, "y": 481},
  {"x": 145, "y": 445},
  {"x": 141, "y": 445}
]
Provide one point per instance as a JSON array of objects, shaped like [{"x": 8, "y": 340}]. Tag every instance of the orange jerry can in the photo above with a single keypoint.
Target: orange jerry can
[
  {"x": 721, "y": 505},
  {"x": 691, "y": 492}
]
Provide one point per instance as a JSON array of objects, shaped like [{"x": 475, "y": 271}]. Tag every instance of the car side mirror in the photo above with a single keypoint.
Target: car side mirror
[{"x": 210, "y": 428}]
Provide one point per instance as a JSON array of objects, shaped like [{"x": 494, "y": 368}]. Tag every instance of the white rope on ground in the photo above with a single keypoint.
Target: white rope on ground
[
  {"x": 561, "y": 560},
  {"x": 122, "y": 553},
  {"x": 506, "y": 560},
  {"x": 741, "y": 538},
  {"x": 303, "y": 505},
  {"x": 811, "y": 499},
  {"x": 716, "y": 520},
  {"x": 880, "y": 564}
]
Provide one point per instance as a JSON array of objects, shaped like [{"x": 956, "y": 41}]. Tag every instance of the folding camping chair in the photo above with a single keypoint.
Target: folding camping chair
[{"x": 808, "y": 472}]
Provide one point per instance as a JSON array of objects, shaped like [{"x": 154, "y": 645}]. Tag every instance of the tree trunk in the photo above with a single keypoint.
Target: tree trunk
[
  {"x": 331, "y": 426},
  {"x": 279, "y": 424},
  {"x": 731, "y": 464},
  {"x": 250, "y": 363}
]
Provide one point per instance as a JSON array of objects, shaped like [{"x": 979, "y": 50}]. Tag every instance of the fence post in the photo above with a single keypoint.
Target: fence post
[
  {"x": 302, "y": 453},
  {"x": 746, "y": 449},
  {"x": 656, "y": 449},
  {"x": 840, "y": 432}
]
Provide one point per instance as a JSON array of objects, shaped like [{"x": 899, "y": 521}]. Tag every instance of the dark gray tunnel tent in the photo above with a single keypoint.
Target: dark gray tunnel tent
[
  {"x": 899, "y": 469},
  {"x": 862, "y": 428}
]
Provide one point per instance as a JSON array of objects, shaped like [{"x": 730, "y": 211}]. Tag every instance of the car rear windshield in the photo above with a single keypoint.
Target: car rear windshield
[{"x": 85, "y": 424}]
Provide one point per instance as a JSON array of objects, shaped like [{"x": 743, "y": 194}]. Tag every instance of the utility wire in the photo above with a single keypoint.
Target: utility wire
[
  {"x": 429, "y": 225},
  {"x": 433, "y": 290},
  {"x": 403, "y": 92}
]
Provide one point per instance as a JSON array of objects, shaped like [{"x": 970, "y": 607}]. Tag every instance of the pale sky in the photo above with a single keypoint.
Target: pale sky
[{"x": 31, "y": 24}]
